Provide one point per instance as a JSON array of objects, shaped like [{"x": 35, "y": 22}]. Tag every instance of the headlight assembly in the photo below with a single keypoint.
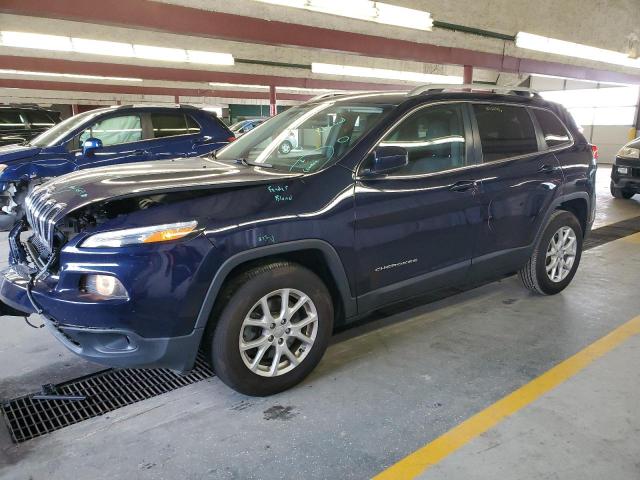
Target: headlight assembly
[
  {"x": 629, "y": 152},
  {"x": 136, "y": 236}
]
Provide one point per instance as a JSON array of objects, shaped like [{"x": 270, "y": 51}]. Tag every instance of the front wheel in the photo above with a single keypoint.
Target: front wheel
[
  {"x": 555, "y": 257},
  {"x": 274, "y": 327},
  {"x": 620, "y": 192}
]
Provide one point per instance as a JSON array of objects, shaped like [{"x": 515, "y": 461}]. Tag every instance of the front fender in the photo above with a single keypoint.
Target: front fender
[{"x": 27, "y": 171}]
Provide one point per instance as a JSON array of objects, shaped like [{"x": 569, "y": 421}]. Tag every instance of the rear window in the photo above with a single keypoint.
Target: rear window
[
  {"x": 10, "y": 120},
  {"x": 505, "y": 131},
  {"x": 554, "y": 132},
  {"x": 39, "y": 119},
  {"x": 172, "y": 124}
]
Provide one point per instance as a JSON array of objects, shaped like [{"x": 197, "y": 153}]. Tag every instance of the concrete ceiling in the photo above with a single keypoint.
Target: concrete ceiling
[{"x": 275, "y": 45}]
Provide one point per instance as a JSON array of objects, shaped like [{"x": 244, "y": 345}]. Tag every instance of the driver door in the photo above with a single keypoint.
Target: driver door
[
  {"x": 123, "y": 141},
  {"x": 416, "y": 226}
]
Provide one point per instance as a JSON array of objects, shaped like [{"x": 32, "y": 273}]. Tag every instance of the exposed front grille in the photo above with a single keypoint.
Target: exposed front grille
[{"x": 41, "y": 212}]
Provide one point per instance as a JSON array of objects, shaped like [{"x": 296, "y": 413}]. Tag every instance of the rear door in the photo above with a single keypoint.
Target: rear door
[
  {"x": 174, "y": 133},
  {"x": 521, "y": 176}
]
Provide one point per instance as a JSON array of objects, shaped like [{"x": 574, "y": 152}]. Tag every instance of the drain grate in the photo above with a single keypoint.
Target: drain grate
[
  {"x": 109, "y": 390},
  {"x": 105, "y": 391}
]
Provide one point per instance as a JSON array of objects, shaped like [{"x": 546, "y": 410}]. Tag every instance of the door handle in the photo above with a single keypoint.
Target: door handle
[
  {"x": 546, "y": 169},
  {"x": 141, "y": 152},
  {"x": 463, "y": 186}
]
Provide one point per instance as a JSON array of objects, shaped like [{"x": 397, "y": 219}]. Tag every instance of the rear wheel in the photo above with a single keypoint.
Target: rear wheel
[
  {"x": 273, "y": 329},
  {"x": 621, "y": 192},
  {"x": 556, "y": 256}
]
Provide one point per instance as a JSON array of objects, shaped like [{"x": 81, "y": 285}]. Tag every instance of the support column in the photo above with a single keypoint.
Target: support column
[
  {"x": 176, "y": 99},
  {"x": 273, "y": 109},
  {"x": 468, "y": 74},
  {"x": 74, "y": 109}
]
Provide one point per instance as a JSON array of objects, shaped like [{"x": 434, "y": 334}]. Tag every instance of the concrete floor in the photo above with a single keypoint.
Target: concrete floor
[{"x": 382, "y": 391}]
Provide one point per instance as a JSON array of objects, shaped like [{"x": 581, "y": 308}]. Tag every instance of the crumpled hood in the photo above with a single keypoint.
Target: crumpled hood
[
  {"x": 83, "y": 187},
  {"x": 13, "y": 153}
]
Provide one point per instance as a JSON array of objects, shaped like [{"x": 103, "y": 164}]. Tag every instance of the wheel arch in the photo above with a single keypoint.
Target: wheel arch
[{"x": 317, "y": 255}]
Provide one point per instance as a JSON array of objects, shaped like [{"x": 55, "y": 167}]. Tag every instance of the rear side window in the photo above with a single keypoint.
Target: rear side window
[
  {"x": 505, "y": 131},
  {"x": 39, "y": 119},
  {"x": 554, "y": 132},
  {"x": 172, "y": 124},
  {"x": 434, "y": 138},
  {"x": 10, "y": 120}
]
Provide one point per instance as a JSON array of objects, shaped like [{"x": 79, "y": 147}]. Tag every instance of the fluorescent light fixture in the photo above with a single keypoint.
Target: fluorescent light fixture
[
  {"x": 237, "y": 85},
  {"x": 100, "y": 47},
  {"x": 160, "y": 53},
  {"x": 366, "y": 72},
  {"x": 36, "y": 40},
  {"x": 368, "y": 10},
  {"x": 209, "y": 58},
  {"x": 116, "y": 49},
  {"x": 570, "y": 49},
  {"x": 68, "y": 75}
]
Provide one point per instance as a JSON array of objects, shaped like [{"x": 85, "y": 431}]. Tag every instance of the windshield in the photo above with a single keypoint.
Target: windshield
[
  {"x": 307, "y": 138},
  {"x": 55, "y": 135}
]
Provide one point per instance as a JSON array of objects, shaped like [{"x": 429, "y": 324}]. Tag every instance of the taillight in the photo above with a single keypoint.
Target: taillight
[
  {"x": 594, "y": 150},
  {"x": 231, "y": 139}
]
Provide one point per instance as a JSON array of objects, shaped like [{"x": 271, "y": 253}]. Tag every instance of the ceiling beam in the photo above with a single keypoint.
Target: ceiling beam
[
  {"x": 142, "y": 90},
  {"x": 176, "y": 19},
  {"x": 34, "y": 64}
]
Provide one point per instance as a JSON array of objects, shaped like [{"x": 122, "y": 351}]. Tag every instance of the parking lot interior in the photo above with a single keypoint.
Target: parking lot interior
[
  {"x": 403, "y": 379},
  {"x": 319, "y": 239}
]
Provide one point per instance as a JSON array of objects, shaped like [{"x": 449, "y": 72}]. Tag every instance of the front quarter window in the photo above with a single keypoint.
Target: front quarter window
[{"x": 307, "y": 138}]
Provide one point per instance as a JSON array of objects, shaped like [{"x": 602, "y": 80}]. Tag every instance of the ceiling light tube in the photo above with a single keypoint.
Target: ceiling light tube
[
  {"x": 100, "y": 47},
  {"x": 117, "y": 49},
  {"x": 366, "y": 72},
  {"x": 68, "y": 75},
  {"x": 37, "y": 40},
  {"x": 539, "y": 43},
  {"x": 368, "y": 10}
]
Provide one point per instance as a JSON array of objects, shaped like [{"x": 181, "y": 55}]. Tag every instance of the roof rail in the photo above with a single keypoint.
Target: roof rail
[
  {"x": 437, "y": 88},
  {"x": 327, "y": 95}
]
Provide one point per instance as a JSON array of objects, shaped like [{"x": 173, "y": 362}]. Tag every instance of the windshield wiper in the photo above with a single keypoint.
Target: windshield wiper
[{"x": 249, "y": 163}]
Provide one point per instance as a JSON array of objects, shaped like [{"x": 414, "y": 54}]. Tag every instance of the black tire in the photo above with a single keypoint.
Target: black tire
[
  {"x": 222, "y": 337},
  {"x": 285, "y": 147},
  {"x": 534, "y": 274},
  {"x": 620, "y": 192}
]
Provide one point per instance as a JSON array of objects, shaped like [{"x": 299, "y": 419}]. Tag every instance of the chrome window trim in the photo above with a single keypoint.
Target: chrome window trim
[{"x": 360, "y": 177}]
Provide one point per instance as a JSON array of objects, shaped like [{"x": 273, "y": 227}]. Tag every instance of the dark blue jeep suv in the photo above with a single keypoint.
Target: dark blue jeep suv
[
  {"x": 106, "y": 136},
  {"x": 256, "y": 256}
]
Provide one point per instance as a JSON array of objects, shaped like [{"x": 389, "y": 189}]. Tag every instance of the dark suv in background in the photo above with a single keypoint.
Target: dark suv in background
[
  {"x": 104, "y": 136},
  {"x": 21, "y": 123},
  {"x": 255, "y": 255},
  {"x": 625, "y": 173}
]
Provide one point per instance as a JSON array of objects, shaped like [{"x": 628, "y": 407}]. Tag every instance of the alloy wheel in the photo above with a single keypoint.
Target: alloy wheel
[
  {"x": 278, "y": 332},
  {"x": 561, "y": 254}
]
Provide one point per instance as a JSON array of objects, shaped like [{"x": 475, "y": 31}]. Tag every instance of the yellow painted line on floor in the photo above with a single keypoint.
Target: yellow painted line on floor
[
  {"x": 443, "y": 446},
  {"x": 635, "y": 238}
]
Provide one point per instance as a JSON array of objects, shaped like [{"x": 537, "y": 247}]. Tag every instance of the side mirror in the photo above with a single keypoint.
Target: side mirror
[
  {"x": 387, "y": 159},
  {"x": 90, "y": 146}
]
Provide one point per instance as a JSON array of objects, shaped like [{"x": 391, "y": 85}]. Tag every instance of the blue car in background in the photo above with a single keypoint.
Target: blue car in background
[{"x": 100, "y": 137}]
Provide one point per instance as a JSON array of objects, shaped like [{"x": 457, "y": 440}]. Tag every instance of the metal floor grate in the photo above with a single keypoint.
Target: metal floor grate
[
  {"x": 105, "y": 391},
  {"x": 109, "y": 390}
]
